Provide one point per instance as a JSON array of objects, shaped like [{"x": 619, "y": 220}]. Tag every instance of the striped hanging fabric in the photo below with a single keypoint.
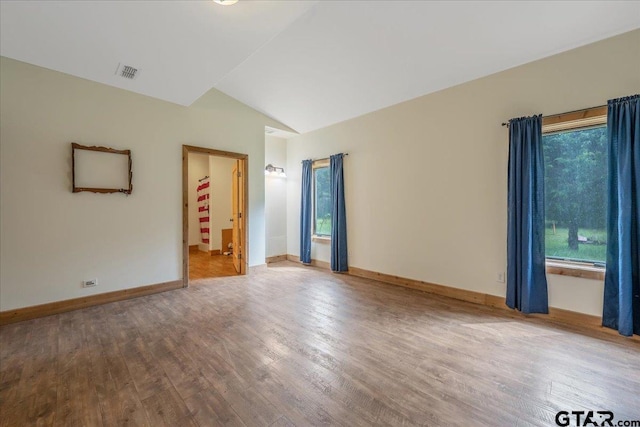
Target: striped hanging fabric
[{"x": 203, "y": 209}]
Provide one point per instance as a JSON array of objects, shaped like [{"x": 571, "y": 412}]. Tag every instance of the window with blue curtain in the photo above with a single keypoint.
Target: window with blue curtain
[
  {"x": 526, "y": 277},
  {"x": 321, "y": 199},
  {"x": 621, "y": 310},
  {"x": 305, "y": 212},
  {"x": 339, "y": 252}
]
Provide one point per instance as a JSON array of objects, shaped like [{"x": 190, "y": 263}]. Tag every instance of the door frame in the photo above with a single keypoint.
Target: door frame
[{"x": 244, "y": 205}]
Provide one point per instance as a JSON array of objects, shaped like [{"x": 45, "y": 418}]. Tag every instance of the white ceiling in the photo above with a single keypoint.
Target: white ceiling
[
  {"x": 306, "y": 64},
  {"x": 182, "y": 48}
]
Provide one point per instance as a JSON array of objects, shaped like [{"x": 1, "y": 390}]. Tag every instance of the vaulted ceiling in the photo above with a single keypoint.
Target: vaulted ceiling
[{"x": 306, "y": 64}]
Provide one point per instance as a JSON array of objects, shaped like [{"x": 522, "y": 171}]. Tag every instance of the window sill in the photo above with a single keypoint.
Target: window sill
[
  {"x": 321, "y": 239},
  {"x": 567, "y": 268}
]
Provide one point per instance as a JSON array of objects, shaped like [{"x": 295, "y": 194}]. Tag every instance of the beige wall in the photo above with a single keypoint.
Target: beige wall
[
  {"x": 275, "y": 198},
  {"x": 53, "y": 239},
  {"x": 426, "y": 180}
]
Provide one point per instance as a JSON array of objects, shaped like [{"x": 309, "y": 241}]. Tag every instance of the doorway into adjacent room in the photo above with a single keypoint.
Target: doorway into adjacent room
[{"x": 214, "y": 193}]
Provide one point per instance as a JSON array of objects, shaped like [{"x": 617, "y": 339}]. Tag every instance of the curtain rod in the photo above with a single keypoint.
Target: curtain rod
[
  {"x": 326, "y": 158},
  {"x": 566, "y": 112},
  {"x": 202, "y": 179}
]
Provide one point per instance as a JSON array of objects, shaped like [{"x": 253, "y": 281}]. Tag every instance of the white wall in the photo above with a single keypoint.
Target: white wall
[
  {"x": 426, "y": 180},
  {"x": 220, "y": 169},
  {"x": 275, "y": 200},
  {"x": 198, "y": 169},
  {"x": 124, "y": 241}
]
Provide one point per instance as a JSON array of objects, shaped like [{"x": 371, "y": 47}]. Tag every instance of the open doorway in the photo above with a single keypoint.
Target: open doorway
[{"x": 214, "y": 193}]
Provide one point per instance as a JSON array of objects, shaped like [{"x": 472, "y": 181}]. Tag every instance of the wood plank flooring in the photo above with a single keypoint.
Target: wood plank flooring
[
  {"x": 298, "y": 346},
  {"x": 204, "y": 266}
]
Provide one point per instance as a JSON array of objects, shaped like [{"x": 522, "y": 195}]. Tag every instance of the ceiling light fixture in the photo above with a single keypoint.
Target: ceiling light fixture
[{"x": 226, "y": 2}]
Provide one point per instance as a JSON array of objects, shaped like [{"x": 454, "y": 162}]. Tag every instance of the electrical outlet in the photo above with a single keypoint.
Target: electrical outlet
[
  {"x": 500, "y": 277},
  {"x": 90, "y": 283}
]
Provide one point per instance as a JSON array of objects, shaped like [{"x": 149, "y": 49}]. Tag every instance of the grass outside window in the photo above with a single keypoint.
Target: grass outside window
[
  {"x": 575, "y": 174},
  {"x": 321, "y": 200}
]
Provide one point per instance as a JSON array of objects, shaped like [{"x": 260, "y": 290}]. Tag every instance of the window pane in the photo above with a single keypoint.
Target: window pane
[
  {"x": 322, "y": 202},
  {"x": 575, "y": 194}
]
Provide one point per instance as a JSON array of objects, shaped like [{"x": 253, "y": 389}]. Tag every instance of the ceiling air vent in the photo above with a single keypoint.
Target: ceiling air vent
[{"x": 127, "y": 71}]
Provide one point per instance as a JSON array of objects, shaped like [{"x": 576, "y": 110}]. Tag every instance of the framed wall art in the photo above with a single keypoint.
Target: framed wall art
[{"x": 101, "y": 169}]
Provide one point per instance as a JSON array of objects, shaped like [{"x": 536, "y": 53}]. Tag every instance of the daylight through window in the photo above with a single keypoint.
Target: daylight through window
[
  {"x": 575, "y": 164},
  {"x": 321, "y": 199}
]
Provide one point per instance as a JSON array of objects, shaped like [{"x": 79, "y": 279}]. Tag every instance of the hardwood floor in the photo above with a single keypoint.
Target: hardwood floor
[
  {"x": 203, "y": 266},
  {"x": 300, "y": 346}
]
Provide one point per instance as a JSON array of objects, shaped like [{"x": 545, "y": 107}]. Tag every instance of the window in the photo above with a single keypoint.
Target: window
[
  {"x": 321, "y": 199},
  {"x": 575, "y": 163}
]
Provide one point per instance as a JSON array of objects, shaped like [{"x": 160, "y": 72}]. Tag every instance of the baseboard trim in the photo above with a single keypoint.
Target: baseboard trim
[
  {"x": 557, "y": 315},
  {"x": 277, "y": 258},
  {"x": 432, "y": 288},
  {"x": 48, "y": 309},
  {"x": 193, "y": 247},
  {"x": 314, "y": 262}
]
